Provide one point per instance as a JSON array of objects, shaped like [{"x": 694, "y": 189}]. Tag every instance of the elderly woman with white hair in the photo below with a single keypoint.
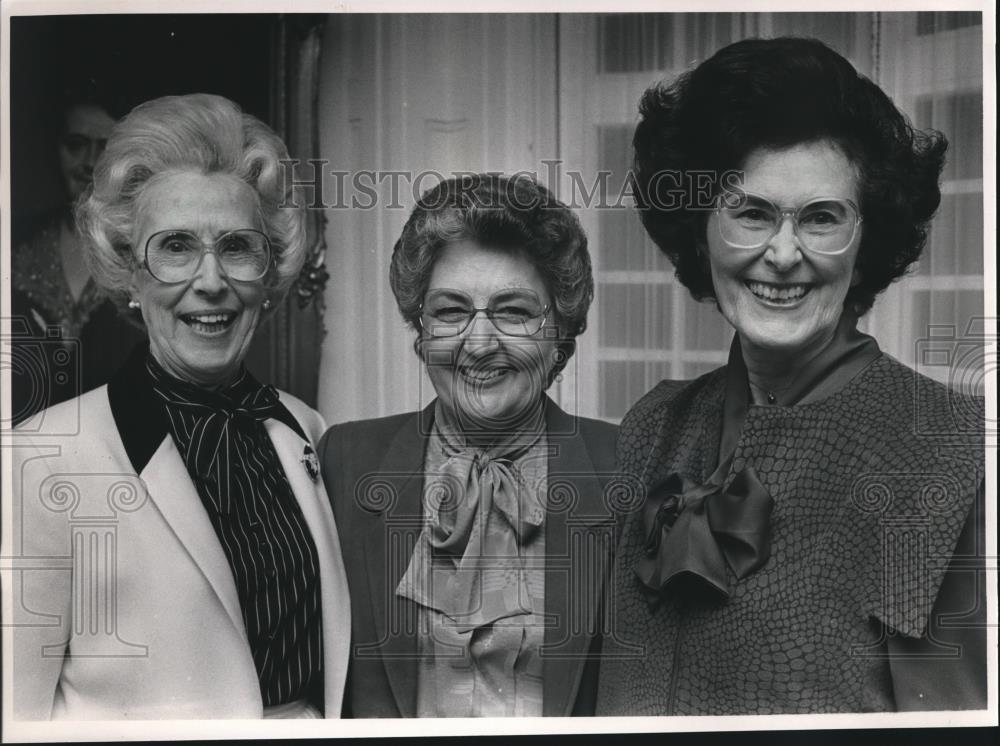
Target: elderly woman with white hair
[{"x": 193, "y": 565}]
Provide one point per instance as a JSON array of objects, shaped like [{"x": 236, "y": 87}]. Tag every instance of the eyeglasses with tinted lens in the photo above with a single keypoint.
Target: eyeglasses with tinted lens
[
  {"x": 174, "y": 256},
  {"x": 516, "y": 312},
  {"x": 826, "y": 225}
]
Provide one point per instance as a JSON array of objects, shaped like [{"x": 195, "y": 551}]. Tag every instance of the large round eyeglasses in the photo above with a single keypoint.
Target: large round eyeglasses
[
  {"x": 173, "y": 256},
  {"x": 826, "y": 225},
  {"x": 516, "y": 312}
]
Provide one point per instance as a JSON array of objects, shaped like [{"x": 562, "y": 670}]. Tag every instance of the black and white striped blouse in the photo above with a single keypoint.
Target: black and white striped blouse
[{"x": 245, "y": 491}]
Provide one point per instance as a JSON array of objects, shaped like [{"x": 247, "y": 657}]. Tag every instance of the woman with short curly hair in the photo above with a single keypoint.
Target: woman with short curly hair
[
  {"x": 513, "y": 213},
  {"x": 220, "y": 592},
  {"x": 463, "y": 525},
  {"x": 768, "y": 570}
]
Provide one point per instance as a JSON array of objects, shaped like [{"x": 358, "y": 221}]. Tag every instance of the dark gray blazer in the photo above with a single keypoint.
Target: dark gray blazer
[{"x": 373, "y": 473}]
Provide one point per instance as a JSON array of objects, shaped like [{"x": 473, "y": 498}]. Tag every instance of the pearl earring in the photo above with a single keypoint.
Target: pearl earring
[
  {"x": 266, "y": 305},
  {"x": 133, "y": 304}
]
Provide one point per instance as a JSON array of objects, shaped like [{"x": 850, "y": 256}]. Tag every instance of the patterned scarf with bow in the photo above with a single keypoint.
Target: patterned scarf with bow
[
  {"x": 694, "y": 532},
  {"x": 481, "y": 505},
  {"x": 209, "y": 425}
]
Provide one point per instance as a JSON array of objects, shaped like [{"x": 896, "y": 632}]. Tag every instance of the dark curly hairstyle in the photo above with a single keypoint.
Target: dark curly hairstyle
[
  {"x": 776, "y": 93},
  {"x": 510, "y": 213}
]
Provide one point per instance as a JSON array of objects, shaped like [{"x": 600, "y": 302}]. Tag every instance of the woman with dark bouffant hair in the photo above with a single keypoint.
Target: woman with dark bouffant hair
[
  {"x": 475, "y": 532},
  {"x": 792, "y": 550}
]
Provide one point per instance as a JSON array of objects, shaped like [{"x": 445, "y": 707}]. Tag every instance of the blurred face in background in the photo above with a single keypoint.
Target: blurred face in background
[{"x": 84, "y": 136}]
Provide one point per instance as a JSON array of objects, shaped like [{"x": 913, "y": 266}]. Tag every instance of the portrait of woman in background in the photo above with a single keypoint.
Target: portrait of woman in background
[
  {"x": 472, "y": 593},
  {"x": 222, "y": 593},
  {"x": 771, "y": 569},
  {"x": 51, "y": 286}
]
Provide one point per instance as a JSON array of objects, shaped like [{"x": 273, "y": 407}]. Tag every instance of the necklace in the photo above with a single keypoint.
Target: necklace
[{"x": 763, "y": 394}]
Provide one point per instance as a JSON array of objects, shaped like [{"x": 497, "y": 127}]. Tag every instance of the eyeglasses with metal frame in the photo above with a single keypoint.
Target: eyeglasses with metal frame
[{"x": 515, "y": 312}]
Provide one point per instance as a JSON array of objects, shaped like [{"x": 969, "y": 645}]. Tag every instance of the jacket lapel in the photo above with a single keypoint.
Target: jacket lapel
[
  {"x": 575, "y": 569},
  {"x": 175, "y": 496},
  {"x": 392, "y": 535},
  {"x": 145, "y": 433},
  {"x": 335, "y": 599},
  {"x": 578, "y": 546}
]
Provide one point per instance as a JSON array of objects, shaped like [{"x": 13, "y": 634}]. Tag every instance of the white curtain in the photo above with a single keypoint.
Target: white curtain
[
  {"x": 404, "y": 99},
  {"x": 931, "y": 63}
]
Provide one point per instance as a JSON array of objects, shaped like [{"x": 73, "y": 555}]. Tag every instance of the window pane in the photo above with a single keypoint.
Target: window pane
[
  {"x": 705, "y": 327},
  {"x": 615, "y": 154},
  {"x": 959, "y": 311},
  {"x": 960, "y": 117},
  {"x": 634, "y": 315},
  {"x": 619, "y": 381},
  {"x": 623, "y": 244},
  {"x": 631, "y": 42},
  {"x": 695, "y": 370},
  {"x": 705, "y": 34},
  {"x": 650, "y": 42},
  {"x": 839, "y": 30},
  {"x": 953, "y": 307},
  {"x": 955, "y": 245},
  {"x": 637, "y": 42},
  {"x": 623, "y": 383},
  {"x": 930, "y": 22}
]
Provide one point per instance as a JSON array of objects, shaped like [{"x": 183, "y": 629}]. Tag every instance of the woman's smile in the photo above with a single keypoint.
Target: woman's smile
[
  {"x": 488, "y": 374},
  {"x": 483, "y": 375},
  {"x": 200, "y": 329},
  {"x": 778, "y": 294},
  {"x": 210, "y": 324},
  {"x": 781, "y": 297}
]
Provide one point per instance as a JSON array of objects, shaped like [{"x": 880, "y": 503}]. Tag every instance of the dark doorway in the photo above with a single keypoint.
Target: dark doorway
[{"x": 130, "y": 59}]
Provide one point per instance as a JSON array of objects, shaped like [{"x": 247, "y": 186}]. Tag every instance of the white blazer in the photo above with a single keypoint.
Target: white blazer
[{"x": 124, "y": 604}]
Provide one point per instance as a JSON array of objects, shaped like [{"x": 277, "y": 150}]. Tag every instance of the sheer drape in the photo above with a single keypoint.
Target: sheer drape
[
  {"x": 931, "y": 63},
  {"x": 405, "y": 101},
  {"x": 286, "y": 350}
]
